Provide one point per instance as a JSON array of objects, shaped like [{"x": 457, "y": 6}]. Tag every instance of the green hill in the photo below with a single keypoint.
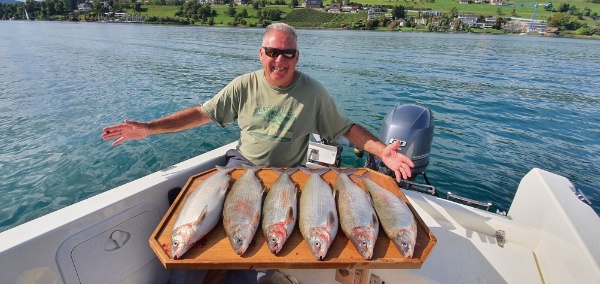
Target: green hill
[
  {"x": 310, "y": 18},
  {"x": 307, "y": 18}
]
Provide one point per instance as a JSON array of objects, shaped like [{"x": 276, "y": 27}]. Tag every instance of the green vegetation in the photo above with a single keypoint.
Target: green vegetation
[
  {"x": 577, "y": 16},
  {"x": 307, "y": 18}
]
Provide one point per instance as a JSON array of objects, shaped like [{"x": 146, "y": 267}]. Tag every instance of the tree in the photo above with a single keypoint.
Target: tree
[
  {"x": 294, "y": 3},
  {"x": 563, "y": 22},
  {"x": 457, "y": 24},
  {"x": 59, "y": 8},
  {"x": 559, "y": 19},
  {"x": 587, "y": 11},
  {"x": 454, "y": 12},
  {"x": 392, "y": 26},
  {"x": 563, "y": 7},
  {"x": 573, "y": 10},
  {"x": 398, "y": 12},
  {"x": 584, "y": 31},
  {"x": 231, "y": 11}
]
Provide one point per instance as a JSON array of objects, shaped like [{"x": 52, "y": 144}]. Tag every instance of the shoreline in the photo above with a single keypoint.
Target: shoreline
[{"x": 564, "y": 34}]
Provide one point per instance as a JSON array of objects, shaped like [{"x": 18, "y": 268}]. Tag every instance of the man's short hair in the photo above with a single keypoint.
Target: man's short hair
[{"x": 281, "y": 27}]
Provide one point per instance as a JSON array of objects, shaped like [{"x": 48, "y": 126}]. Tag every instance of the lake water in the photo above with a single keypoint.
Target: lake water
[{"x": 502, "y": 104}]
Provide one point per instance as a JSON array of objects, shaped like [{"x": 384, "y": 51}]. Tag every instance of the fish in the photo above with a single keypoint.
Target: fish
[
  {"x": 241, "y": 212},
  {"x": 200, "y": 213},
  {"x": 280, "y": 210},
  {"x": 357, "y": 216},
  {"x": 318, "y": 215},
  {"x": 397, "y": 220}
]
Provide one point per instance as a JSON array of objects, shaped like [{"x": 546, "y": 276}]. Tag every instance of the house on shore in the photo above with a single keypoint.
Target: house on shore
[{"x": 317, "y": 4}]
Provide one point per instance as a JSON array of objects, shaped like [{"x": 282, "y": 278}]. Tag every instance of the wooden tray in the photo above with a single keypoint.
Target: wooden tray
[{"x": 215, "y": 252}]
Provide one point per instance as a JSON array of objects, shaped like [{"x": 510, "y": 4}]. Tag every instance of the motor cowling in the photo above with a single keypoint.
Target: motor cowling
[{"x": 413, "y": 125}]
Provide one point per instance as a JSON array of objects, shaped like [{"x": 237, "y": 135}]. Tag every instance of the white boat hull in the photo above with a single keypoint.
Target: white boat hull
[{"x": 550, "y": 237}]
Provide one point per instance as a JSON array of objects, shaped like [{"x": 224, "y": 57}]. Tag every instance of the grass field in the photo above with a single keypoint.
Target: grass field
[
  {"x": 523, "y": 8},
  {"x": 306, "y": 17}
]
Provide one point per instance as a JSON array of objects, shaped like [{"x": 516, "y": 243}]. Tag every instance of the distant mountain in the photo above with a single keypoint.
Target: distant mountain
[{"x": 8, "y": 1}]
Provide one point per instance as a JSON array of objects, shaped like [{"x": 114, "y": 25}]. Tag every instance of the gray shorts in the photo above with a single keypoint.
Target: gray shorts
[{"x": 233, "y": 158}]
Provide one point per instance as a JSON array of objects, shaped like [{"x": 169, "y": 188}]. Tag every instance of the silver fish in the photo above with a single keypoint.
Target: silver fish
[
  {"x": 396, "y": 218},
  {"x": 357, "y": 216},
  {"x": 318, "y": 216},
  {"x": 279, "y": 210},
  {"x": 241, "y": 212},
  {"x": 200, "y": 213}
]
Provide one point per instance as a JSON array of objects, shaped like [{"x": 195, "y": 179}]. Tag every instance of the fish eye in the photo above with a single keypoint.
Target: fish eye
[
  {"x": 363, "y": 243},
  {"x": 404, "y": 245},
  {"x": 238, "y": 240},
  {"x": 273, "y": 240},
  {"x": 317, "y": 244},
  {"x": 175, "y": 243}
]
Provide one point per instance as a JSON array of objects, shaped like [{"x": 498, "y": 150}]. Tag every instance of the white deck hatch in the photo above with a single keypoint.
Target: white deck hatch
[{"x": 118, "y": 245}]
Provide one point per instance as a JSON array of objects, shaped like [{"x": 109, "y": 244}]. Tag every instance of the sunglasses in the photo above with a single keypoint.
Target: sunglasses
[{"x": 274, "y": 52}]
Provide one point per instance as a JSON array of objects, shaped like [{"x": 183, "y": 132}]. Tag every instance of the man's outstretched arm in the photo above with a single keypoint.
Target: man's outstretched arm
[
  {"x": 397, "y": 162},
  {"x": 133, "y": 130}
]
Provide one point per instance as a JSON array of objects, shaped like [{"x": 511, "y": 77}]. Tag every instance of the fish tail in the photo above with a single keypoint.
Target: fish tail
[
  {"x": 251, "y": 168},
  {"x": 347, "y": 171},
  {"x": 365, "y": 175},
  {"x": 319, "y": 171},
  {"x": 290, "y": 171}
]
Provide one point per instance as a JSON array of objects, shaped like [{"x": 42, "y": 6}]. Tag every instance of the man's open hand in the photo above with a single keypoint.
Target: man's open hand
[
  {"x": 397, "y": 162},
  {"x": 128, "y": 130}
]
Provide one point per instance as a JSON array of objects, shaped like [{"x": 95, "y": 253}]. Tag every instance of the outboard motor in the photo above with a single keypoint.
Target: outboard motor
[{"x": 413, "y": 126}]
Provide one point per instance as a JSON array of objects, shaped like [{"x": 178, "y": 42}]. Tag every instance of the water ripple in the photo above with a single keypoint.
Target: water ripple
[{"x": 502, "y": 104}]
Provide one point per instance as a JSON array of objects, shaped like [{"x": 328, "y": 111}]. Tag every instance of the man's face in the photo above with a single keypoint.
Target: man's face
[{"x": 279, "y": 70}]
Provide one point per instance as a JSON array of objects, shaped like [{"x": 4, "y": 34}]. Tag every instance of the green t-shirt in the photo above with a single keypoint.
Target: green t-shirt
[{"x": 276, "y": 123}]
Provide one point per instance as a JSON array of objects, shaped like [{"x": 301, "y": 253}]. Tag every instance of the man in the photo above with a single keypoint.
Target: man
[{"x": 277, "y": 108}]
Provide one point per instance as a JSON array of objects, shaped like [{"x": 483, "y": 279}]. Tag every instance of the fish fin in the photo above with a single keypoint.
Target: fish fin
[
  {"x": 375, "y": 221},
  {"x": 202, "y": 216},
  {"x": 370, "y": 198},
  {"x": 289, "y": 217},
  {"x": 331, "y": 220}
]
